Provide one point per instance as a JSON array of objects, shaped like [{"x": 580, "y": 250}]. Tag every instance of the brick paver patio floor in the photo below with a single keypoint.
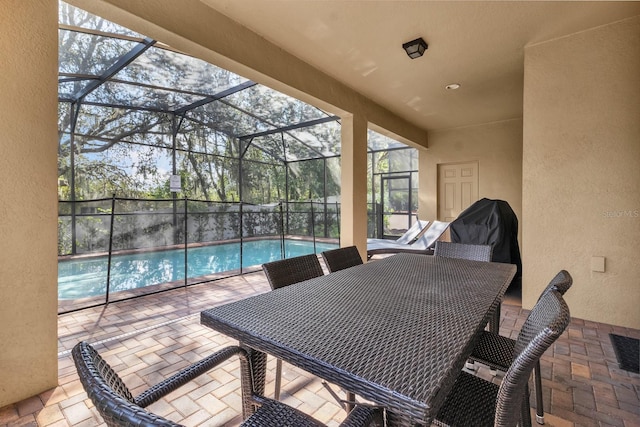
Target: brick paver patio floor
[{"x": 147, "y": 339}]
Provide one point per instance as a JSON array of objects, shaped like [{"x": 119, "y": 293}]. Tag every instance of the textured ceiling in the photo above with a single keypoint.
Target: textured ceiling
[{"x": 479, "y": 45}]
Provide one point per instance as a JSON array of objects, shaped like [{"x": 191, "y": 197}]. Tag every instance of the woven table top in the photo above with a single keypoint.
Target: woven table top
[{"x": 395, "y": 331}]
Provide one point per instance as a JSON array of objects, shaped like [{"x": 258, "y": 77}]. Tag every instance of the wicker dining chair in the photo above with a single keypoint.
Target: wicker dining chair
[
  {"x": 286, "y": 272},
  {"x": 118, "y": 407},
  {"x": 477, "y": 402},
  {"x": 474, "y": 253},
  {"x": 341, "y": 258},
  {"x": 497, "y": 351},
  {"x": 463, "y": 251}
]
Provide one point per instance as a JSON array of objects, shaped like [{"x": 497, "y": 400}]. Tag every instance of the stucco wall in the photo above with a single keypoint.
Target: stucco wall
[
  {"x": 28, "y": 211},
  {"x": 581, "y": 171},
  {"x": 497, "y": 147}
]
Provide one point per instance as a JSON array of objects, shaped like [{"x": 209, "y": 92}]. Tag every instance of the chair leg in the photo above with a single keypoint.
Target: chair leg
[
  {"x": 538, "y": 385},
  {"x": 348, "y": 404},
  {"x": 470, "y": 365},
  {"x": 494, "y": 327},
  {"x": 351, "y": 397},
  {"x": 276, "y": 394},
  {"x": 253, "y": 370},
  {"x": 494, "y": 322},
  {"x": 525, "y": 409}
]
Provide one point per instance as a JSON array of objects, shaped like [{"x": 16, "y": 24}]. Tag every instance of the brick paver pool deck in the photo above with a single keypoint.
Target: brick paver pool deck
[{"x": 147, "y": 339}]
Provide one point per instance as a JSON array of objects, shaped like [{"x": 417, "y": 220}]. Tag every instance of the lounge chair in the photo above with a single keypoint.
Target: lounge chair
[
  {"x": 410, "y": 236},
  {"x": 424, "y": 244}
]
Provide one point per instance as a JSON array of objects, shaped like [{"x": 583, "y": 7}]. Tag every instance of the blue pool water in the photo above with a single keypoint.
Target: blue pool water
[{"x": 85, "y": 277}]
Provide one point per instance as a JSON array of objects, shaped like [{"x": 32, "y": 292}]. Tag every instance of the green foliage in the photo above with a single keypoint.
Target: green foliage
[
  {"x": 94, "y": 234},
  {"x": 125, "y": 231},
  {"x": 159, "y": 116},
  {"x": 64, "y": 236}
]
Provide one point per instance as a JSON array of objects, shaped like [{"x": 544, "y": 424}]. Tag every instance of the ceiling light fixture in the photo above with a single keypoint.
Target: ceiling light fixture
[
  {"x": 452, "y": 86},
  {"x": 415, "y": 48}
]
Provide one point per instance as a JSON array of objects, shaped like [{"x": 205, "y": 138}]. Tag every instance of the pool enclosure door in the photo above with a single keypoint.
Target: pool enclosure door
[{"x": 395, "y": 214}]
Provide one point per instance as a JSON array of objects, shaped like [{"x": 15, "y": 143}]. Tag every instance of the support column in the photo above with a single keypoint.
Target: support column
[
  {"x": 353, "y": 214},
  {"x": 29, "y": 207}
]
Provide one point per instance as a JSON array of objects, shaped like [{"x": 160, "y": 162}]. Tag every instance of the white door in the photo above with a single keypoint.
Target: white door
[{"x": 457, "y": 188}]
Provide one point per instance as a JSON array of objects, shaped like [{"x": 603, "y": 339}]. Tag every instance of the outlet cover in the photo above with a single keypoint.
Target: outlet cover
[{"x": 597, "y": 264}]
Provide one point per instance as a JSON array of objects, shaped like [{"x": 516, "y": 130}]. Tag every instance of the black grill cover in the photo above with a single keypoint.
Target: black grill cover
[{"x": 491, "y": 222}]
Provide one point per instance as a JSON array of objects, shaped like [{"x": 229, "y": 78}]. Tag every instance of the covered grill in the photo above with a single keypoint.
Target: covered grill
[{"x": 491, "y": 222}]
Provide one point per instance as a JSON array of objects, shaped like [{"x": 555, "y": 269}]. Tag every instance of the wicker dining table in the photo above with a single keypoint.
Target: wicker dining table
[{"x": 395, "y": 332}]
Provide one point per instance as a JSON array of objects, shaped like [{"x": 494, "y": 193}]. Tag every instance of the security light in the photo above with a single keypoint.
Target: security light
[{"x": 415, "y": 48}]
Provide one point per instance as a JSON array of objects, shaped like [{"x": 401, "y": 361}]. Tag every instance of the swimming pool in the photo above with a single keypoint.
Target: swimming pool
[{"x": 86, "y": 277}]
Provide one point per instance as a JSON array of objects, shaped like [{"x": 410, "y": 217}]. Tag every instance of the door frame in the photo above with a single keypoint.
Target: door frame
[
  {"x": 439, "y": 194},
  {"x": 380, "y": 216}
]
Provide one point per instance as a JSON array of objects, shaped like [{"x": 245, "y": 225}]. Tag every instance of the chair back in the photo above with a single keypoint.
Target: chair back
[
  {"x": 341, "y": 258},
  {"x": 433, "y": 233},
  {"x": 415, "y": 231},
  {"x": 463, "y": 251},
  {"x": 288, "y": 271},
  {"x": 546, "y": 322},
  {"x": 561, "y": 282},
  {"x": 109, "y": 394}
]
